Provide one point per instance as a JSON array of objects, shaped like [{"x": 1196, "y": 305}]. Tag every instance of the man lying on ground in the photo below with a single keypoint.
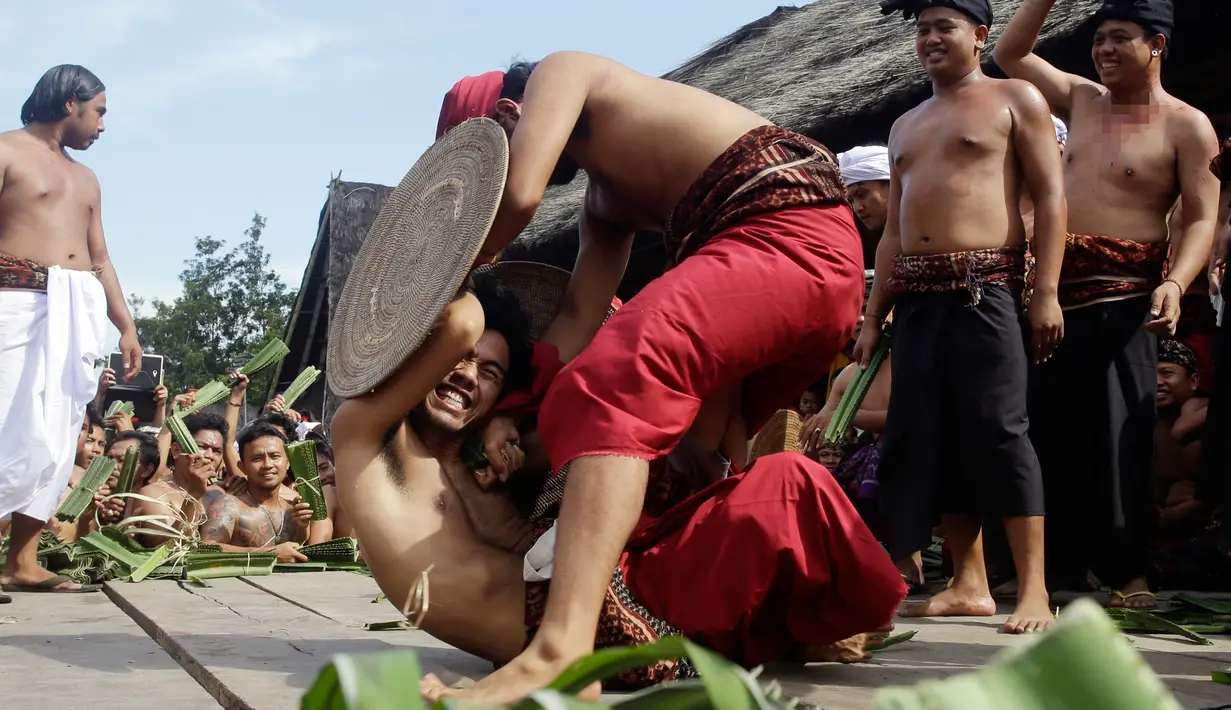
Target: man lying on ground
[
  {"x": 1132, "y": 151},
  {"x": 952, "y": 265},
  {"x": 764, "y": 290}
]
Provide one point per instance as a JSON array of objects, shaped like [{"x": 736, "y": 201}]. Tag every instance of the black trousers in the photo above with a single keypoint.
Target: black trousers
[
  {"x": 956, "y": 438},
  {"x": 1092, "y": 414}
]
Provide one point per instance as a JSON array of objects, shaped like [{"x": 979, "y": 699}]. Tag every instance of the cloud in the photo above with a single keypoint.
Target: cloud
[{"x": 274, "y": 55}]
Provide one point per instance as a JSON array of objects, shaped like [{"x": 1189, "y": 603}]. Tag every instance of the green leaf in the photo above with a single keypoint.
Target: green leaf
[
  {"x": 895, "y": 640},
  {"x": 607, "y": 662},
  {"x": 688, "y": 694},
  {"x": 1210, "y": 605},
  {"x": 367, "y": 681},
  {"x": 1221, "y": 676},
  {"x": 150, "y": 564},
  {"x": 555, "y": 700},
  {"x": 728, "y": 687}
]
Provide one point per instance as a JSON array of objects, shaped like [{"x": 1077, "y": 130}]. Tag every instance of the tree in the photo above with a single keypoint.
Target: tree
[{"x": 231, "y": 306}]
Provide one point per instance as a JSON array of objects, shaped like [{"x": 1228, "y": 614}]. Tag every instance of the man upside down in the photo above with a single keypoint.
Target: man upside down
[{"x": 802, "y": 571}]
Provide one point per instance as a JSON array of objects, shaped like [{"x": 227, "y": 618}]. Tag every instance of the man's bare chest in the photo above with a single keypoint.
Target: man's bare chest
[
  {"x": 257, "y": 526},
  {"x": 607, "y": 201},
  {"x": 1133, "y": 157}
]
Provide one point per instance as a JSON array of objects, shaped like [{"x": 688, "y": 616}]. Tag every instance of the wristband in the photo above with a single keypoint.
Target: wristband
[{"x": 1177, "y": 284}]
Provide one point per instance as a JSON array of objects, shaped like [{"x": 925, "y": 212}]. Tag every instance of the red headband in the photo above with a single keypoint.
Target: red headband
[{"x": 469, "y": 98}]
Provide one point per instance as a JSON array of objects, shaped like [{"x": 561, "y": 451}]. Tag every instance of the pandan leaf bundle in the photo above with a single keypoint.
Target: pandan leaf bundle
[
  {"x": 273, "y": 352},
  {"x": 181, "y": 435},
  {"x": 299, "y": 385},
  {"x": 302, "y": 457},
  {"x": 342, "y": 549},
  {"x": 82, "y": 495},
  {"x": 128, "y": 470},
  {"x": 118, "y": 407},
  {"x": 211, "y": 393},
  {"x": 854, "y": 395}
]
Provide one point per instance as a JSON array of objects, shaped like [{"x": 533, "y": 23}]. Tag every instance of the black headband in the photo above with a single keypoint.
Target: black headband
[
  {"x": 1177, "y": 353},
  {"x": 978, "y": 10},
  {"x": 1156, "y": 16}
]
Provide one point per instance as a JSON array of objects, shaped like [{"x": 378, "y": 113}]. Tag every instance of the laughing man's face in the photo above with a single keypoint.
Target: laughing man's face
[{"x": 468, "y": 393}]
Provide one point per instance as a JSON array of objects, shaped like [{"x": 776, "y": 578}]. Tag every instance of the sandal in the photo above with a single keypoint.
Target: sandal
[
  {"x": 51, "y": 586},
  {"x": 1117, "y": 594}
]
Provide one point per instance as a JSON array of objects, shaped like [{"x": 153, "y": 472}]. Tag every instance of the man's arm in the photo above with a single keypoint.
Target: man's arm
[
  {"x": 1190, "y": 424},
  {"x": 555, "y": 96},
  {"x": 602, "y": 257},
  {"x": 366, "y": 419},
  {"x": 221, "y": 510},
  {"x": 1014, "y": 53},
  {"x": 1196, "y": 145},
  {"x": 117, "y": 308}
]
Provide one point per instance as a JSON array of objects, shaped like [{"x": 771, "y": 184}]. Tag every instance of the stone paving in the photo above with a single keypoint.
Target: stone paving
[{"x": 257, "y": 643}]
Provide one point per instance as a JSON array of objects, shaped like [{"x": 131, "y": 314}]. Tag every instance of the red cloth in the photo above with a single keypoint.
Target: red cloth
[
  {"x": 472, "y": 97},
  {"x": 797, "y": 565},
  {"x": 767, "y": 302},
  {"x": 544, "y": 366}
]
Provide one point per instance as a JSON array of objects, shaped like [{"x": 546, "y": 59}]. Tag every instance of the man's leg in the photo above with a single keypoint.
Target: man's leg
[
  {"x": 969, "y": 595},
  {"x": 745, "y": 301},
  {"x": 21, "y": 567},
  {"x": 1033, "y": 612}
]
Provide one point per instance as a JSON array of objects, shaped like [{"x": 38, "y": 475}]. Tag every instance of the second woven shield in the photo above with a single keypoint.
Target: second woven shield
[{"x": 416, "y": 256}]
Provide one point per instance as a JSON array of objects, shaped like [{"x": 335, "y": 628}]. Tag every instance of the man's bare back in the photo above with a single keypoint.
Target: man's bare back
[
  {"x": 958, "y": 172},
  {"x": 47, "y": 203}
]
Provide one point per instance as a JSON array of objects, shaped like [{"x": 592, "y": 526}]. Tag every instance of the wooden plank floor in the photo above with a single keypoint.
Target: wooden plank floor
[{"x": 258, "y": 643}]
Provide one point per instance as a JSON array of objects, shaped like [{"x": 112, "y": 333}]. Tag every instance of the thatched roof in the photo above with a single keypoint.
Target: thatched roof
[
  {"x": 836, "y": 70},
  {"x": 841, "y": 72}
]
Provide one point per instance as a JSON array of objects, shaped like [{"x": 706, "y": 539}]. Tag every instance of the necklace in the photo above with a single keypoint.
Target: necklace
[{"x": 275, "y": 524}]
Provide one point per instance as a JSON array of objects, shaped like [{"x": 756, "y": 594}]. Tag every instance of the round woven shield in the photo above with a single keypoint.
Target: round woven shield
[{"x": 416, "y": 256}]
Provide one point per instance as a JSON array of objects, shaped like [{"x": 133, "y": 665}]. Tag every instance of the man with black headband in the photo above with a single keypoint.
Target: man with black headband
[
  {"x": 1132, "y": 151},
  {"x": 952, "y": 265},
  {"x": 1177, "y": 438}
]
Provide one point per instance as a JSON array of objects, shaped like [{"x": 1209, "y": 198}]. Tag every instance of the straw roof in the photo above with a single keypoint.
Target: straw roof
[{"x": 811, "y": 69}]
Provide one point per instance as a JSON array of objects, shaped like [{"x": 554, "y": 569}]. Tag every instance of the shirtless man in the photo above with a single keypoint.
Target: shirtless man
[
  {"x": 952, "y": 265},
  {"x": 416, "y": 505},
  {"x": 259, "y": 518},
  {"x": 764, "y": 291},
  {"x": 337, "y": 524},
  {"x": 51, "y": 239},
  {"x": 1177, "y": 438},
  {"x": 1132, "y": 150}
]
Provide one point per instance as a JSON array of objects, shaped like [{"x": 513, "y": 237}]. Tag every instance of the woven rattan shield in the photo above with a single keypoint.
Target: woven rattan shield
[{"x": 416, "y": 256}]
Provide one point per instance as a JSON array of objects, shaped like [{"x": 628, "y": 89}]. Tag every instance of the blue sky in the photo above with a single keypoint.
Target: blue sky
[{"x": 223, "y": 108}]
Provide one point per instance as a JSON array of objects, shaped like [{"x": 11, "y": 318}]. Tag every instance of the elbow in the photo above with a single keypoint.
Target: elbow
[
  {"x": 1007, "y": 56},
  {"x": 520, "y": 204}
]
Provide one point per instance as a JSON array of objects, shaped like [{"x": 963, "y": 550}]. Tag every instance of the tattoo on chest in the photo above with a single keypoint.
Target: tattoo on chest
[{"x": 257, "y": 526}]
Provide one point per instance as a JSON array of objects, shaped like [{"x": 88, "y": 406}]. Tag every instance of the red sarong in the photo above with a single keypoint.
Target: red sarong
[
  {"x": 796, "y": 567},
  {"x": 768, "y": 301},
  {"x": 960, "y": 271},
  {"x": 1099, "y": 269}
]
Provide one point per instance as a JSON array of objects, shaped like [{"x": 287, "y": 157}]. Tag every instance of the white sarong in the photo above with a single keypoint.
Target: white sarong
[{"x": 48, "y": 345}]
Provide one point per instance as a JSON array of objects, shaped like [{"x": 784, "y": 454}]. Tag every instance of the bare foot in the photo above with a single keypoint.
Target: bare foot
[
  {"x": 1134, "y": 595},
  {"x": 512, "y": 682},
  {"x": 1008, "y": 590},
  {"x": 951, "y": 602},
  {"x": 1033, "y": 615},
  {"x": 34, "y": 576}
]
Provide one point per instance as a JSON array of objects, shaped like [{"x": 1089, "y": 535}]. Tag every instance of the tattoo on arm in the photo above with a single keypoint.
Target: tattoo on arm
[{"x": 221, "y": 510}]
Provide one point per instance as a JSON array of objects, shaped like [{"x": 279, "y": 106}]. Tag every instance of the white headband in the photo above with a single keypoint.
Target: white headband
[{"x": 869, "y": 162}]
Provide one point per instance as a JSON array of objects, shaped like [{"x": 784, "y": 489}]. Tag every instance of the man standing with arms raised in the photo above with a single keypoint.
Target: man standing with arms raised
[
  {"x": 952, "y": 265},
  {"x": 57, "y": 287},
  {"x": 1132, "y": 150}
]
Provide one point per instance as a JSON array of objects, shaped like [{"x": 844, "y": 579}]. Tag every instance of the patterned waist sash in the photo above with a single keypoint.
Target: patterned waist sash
[
  {"x": 18, "y": 273},
  {"x": 960, "y": 271},
  {"x": 769, "y": 168},
  {"x": 1099, "y": 269}
]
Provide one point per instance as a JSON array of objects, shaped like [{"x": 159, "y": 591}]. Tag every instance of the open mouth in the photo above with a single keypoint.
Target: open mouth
[
  {"x": 453, "y": 398},
  {"x": 935, "y": 55}
]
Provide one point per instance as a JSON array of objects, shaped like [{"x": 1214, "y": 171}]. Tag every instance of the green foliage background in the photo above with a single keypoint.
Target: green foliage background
[{"x": 232, "y": 304}]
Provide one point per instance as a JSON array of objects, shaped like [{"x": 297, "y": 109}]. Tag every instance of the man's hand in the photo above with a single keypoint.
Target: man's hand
[
  {"x": 501, "y": 444},
  {"x": 1217, "y": 269},
  {"x": 812, "y": 434},
  {"x": 301, "y": 512},
  {"x": 195, "y": 470},
  {"x": 277, "y": 404},
  {"x": 160, "y": 396},
  {"x": 237, "y": 389},
  {"x": 869, "y": 339},
  {"x": 120, "y": 422},
  {"x": 184, "y": 401},
  {"x": 1165, "y": 309},
  {"x": 289, "y": 552},
  {"x": 130, "y": 349},
  {"x": 1046, "y": 325},
  {"x": 105, "y": 381}
]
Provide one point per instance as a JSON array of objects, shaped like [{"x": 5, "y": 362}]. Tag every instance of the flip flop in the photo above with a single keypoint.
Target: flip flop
[
  {"x": 1117, "y": 594},
  {"x": 5, "y": 599},
  {"x": 49, "y": 586}
]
